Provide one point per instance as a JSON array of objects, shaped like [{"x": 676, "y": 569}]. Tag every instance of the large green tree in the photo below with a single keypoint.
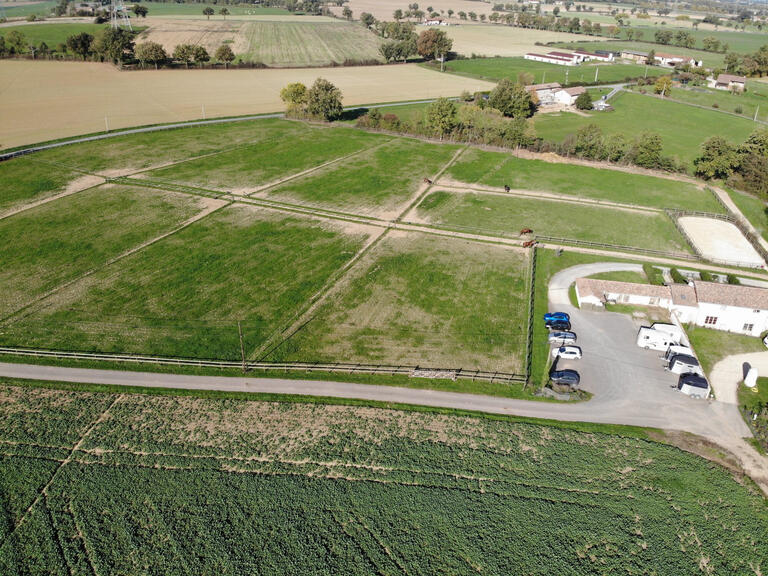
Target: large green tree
[
  {"x": 115, "y": 44},
  {"x": 434, "y": 44},
  {"x": 441, "y": 116},
  {"x": 648, "y": 151},
  {"x": 224, "y": 54},
  {"x": 324, "y": 100},
  {"x": 208, "y": 12},
  {"x": 512, "y": 99},
  {"x": 294, "y": 96},
  {"x": 184, "y": 53},
  {"x": 80, "y": 44},
  {"x": 718, "y": 159},
  {"x": 151, "y": 52}
]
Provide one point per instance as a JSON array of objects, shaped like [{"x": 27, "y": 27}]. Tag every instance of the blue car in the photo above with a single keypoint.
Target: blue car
[{"x": 551, "y": 317}]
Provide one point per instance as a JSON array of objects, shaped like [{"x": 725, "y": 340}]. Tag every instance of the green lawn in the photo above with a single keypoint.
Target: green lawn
[
  {"x": 53, "y": 34},
  {"x": 196, "y": 9},
  {"x": 407, "y": 302},
  {"x": 59, "y": 241},
  {"x": 622, "y": 276},
  {"x": 43, "y": 9},
  {"x": 279, "y": 155},
  {"x": 683, "y": 128},
  {"x": 139, "y": 151},
  {"x": 184, "y": 295},
  {"x": 754, "y": 100},
  {"x": 711, "y": 346},
  {"x": 378, "y": 182},
  {"x": 25, "y": 179},
  {"x": 498, "y": 168},
  {"x": 741, "y": 42},
  {"x": 498, "y": 68},
  {"x": 710, "y": 59},
  {"x": 754, "y": 209},
  {"x": 494, "y": 214},
  {"x": 202, "y": 486}
]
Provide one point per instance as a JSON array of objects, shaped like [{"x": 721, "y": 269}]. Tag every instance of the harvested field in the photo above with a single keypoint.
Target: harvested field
[
  {"x": 407, "y": 302},
  {"x": 286, "y": 43},
  {"x": 720, "y": 240},
  {"x": 47, "y": 100},
  {"x": 493, "y": 40},
  {"x": 202, "y": 486}
]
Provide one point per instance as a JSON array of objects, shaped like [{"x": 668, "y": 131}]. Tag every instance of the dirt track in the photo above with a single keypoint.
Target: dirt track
[{"x": 48, "y": 100}]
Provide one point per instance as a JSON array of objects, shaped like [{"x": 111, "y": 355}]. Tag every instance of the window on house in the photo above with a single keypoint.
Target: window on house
[
  {"x": 710, "y": 320},
  {"x": 748, "y": 327}
]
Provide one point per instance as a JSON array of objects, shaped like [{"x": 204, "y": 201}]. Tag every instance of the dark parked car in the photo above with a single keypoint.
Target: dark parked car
[
  {"x": 555, "y": 316},
  {"x": 565, "y": 377},
  {"x": 559, "y": 325}
]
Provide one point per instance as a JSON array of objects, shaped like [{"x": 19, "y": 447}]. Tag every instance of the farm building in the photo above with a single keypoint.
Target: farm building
[
  {"x": 729, "y": 82},
  {"x": 731, "y": 308},
  {"x": 552, "y": 58},
  {"x": 639, "y": 57},
  {"x": 600, "y": 55},
  {"x": 545, "y": 92},
  {"x": 435, "y": 22},
  {"x": 567, "y": 96},
  {"x": 672, "y": 60}
]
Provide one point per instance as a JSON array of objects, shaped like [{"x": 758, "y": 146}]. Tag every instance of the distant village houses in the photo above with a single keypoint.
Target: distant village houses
[
  {"x": 729, "y": 82},
  {"x": 570, "y": 58}
]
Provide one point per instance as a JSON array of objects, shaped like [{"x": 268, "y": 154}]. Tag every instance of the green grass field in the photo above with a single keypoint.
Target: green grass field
[
  {"x": 497, "y": 169},
  {"x": 754, "y": 100},
  {"x": 408, "y": 303},
  {"x": 281, "y": 154},
  {"x": 184, "y": 295},
  {"x": 53, "y": 34},
  {"x": 404, "y": 502},
  {"x": 59, "y": 241},
  {"x": 754, "y": 209},
  {"x": 507, "y": 215},
  {"x": 196, "y": 9},
  {"x": 351, "y": 490},
  {"x": 27, "y": 180},
  {"x": 622, "y": 276},
  {"x": 309, "y": 43},
  {"x": 741, "y": 42},
  {"x": 379, "y": 182},
  {"x": 711, "y": 346},
  {"x": 710, "y": 59},
  {"x": 497, "y": 68},
  {"x": 683, "y": 128},
  {"x": 43, "y": 9}
]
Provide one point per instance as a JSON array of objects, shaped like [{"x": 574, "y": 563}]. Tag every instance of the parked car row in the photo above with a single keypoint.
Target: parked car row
[
  {"x": 560, "y": 335},
  {"x": 678, "y": 357}
]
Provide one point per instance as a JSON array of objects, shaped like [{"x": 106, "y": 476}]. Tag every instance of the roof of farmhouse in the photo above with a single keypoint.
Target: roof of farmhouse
[
  {"x": 634, "y": 52},
  {"x": 576, "y": 90},
  {"x": 726, "y": 78},
  {"x": 547, "y": 86},
  {"x": 730, "y": 295}
]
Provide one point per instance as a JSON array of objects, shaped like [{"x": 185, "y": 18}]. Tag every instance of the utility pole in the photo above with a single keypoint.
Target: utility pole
[
  {"x": 597, "y": 69},
  {"x": 242, "y": 348},
  {"x": 543, "y": 77},
  {"x": 106, "y": 123},
  {"x": 203, "y": 111},
  {"x": 646, "y": 71}
]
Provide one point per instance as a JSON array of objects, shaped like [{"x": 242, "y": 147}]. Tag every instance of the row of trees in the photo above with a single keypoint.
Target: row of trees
[
  {"x": 320, "y": 102},
  {"x": 402, "y": 42},
  {"x": 755, "y": 64},
  {"x": 744, "y": 166}
]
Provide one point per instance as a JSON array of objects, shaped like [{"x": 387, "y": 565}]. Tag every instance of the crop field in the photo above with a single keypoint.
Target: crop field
[
  {"x": 379, "y": 182},
  {"x": 23, "y": 9},
  {"x": 498, "y": 68},
  {"x": 506, "y": 215},
  {"x": 407, "y": 302},
  {"x": 59, "y": 241},
  {"x": 278, "y": 43},
  {"x": 52, "y": 33},
  {"x": 683, "y": 128},
  {"x": 184, "y": 295},
  {"x": 47, "y": 100},
  {"x": 330, "y": 489},
  {"x": 195, "y": 9},
  {"x": 498, "y": 169}
]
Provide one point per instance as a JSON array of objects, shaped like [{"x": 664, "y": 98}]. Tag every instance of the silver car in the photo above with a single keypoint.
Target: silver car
[{"x": 561, "y": 338}]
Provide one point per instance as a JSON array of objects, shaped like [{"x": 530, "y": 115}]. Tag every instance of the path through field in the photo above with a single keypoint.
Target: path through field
[{"x": 50, "y": 100}]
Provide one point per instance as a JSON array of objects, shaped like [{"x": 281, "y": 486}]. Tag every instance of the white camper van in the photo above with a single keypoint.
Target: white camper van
[
  {"x": 652, "y": 339},
  {"x": 674, "y": 331},
  {"x": 684, "y": 364}
]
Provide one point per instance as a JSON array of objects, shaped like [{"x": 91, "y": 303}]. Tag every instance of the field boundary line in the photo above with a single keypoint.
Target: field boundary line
[
  {"x": 44, "y": 201},
  {"x": 43, "y": 492},
  {"x": 207, "y": 211},
  {"x": 273, "y": 184}
]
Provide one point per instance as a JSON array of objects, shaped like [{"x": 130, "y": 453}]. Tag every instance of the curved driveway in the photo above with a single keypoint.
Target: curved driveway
[{"x": 628, "y": 385}]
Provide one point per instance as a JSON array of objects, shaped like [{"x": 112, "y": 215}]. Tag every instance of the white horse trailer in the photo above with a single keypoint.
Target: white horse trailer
[
  {"x": 652, "y": 339},
  {"x": 693, "y": 385},
  {"x": 684, "y": 364}
]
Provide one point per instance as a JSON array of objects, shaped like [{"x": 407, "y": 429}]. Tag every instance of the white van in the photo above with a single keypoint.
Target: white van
[
  {"x": 684, "y": 364},
  {"x": 674, "y": 331},
  {"x": 651, "y": 339}
]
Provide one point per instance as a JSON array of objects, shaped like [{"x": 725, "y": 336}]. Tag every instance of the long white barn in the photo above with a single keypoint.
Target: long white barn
[{"x": 739, "y": 309}]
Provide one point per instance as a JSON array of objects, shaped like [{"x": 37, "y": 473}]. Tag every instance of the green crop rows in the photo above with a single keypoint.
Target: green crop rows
[{"x": 170, "y": 485}]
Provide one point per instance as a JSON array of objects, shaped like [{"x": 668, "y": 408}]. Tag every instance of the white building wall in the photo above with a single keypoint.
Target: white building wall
[{"x": 732, "y": 319}]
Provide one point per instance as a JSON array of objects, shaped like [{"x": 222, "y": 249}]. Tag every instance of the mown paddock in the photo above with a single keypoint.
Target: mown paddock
[
  {"x": 682, "y": 128},
  {"x": 498, "y": 68},
  {"x": 416, "y": 299},
  {"x": 498, "y": 214},
  {"x": 52, "y": 33},
  {"x": 293, "y": 488},
  {"x": 498, "y": 169}
]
